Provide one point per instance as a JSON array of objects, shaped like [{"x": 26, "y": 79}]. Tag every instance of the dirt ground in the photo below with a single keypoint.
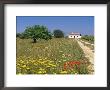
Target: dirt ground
[{"x": 88, "y": 54}]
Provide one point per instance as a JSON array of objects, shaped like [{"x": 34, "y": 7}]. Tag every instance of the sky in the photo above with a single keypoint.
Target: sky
[{"x": 78, "y": 24}]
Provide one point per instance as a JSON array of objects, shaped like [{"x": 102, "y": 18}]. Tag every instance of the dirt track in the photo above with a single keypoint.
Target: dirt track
[{"x": 88, "y": 54}]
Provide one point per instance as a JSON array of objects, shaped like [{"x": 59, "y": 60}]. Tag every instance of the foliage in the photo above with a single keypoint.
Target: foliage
[
  {"x": 49, "y": 57},
  {"x": 18, "y": 34},
  {"x": 36, "y": 32},
  {"x": 88, "y": 38},
  {"x": 66, "y": 36},
  {"x": 58, "y": 34}
]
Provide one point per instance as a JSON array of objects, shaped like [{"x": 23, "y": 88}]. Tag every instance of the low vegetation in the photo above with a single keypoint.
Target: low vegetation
[
  {"x": 50, "y": 53},
  {"x": 49, "y": 57},
  {"x": 88, "y": 38}
]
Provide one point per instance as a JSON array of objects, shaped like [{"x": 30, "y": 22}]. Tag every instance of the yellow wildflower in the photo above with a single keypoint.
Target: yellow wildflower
[
  {"x": 63, "y": 72},
  {"x": 24, "y": 66}
]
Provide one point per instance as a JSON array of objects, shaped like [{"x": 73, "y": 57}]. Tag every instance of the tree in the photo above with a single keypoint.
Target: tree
[
  {"x": 37, "y": 32},
  {"x": 18, "y": 34},
  {"x": 58, "y": 33}
]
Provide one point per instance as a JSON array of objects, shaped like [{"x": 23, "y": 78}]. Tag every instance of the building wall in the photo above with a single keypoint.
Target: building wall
[{"x": 74, "y": 36}]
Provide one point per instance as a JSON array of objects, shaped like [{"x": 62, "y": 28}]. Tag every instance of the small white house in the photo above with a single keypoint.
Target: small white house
[{"x": 74, "y": 35}]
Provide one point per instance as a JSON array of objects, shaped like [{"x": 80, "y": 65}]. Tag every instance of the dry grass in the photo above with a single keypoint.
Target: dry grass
[{"x": 48, "y": 57}]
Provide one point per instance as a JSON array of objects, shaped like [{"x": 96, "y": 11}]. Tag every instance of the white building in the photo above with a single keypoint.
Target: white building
[{"x": 74, "y": 35}]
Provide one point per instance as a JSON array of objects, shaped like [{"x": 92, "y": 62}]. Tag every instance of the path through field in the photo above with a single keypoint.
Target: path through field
[{"x": 88, "y": 54}]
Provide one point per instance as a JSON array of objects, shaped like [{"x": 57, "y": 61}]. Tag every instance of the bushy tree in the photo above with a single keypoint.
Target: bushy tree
[
  {"x": 58, "y": 33},
  {"x": 37, "y": 32},
  {"x": 18, "y": 34}
]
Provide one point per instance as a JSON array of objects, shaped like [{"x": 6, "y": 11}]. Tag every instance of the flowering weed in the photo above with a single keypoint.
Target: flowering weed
[{"x": 50, "y": 57}]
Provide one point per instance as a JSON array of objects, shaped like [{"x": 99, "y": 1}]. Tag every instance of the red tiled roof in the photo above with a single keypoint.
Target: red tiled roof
[{"x": 74, "y": 33}]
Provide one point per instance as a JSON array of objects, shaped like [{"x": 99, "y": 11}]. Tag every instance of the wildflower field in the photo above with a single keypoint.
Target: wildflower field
[{"x": 55, "y": 56}]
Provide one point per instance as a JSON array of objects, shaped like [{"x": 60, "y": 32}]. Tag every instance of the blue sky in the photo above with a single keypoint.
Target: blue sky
[{"x": 68, "y": 24}]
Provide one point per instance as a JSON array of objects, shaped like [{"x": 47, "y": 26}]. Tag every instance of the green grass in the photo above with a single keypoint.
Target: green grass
[{"x": 48, "y": 57}]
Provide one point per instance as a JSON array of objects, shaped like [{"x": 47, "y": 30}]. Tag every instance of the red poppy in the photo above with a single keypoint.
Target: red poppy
[
  {"x": 70, "y": 64},
  {"x": 65, "y": 66}
]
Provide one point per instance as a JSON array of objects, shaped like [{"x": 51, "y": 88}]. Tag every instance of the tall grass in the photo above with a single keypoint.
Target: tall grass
[{"x": 48, "y": 57}]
